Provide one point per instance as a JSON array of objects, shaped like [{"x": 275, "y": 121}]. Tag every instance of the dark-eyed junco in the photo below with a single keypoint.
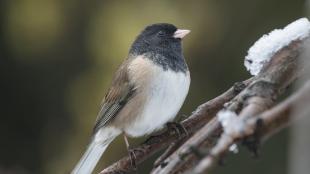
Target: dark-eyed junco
[{"x": 147, "y": 91}]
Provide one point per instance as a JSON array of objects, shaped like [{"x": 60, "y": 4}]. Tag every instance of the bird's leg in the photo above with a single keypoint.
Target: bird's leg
[
  {"x": 132, "y": 153},
  {"x": 126, "y": 142},
  {"x": 178, "y": 129}
]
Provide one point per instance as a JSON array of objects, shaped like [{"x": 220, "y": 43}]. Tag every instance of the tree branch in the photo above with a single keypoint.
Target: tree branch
[
  {"x": 270, "y": 122},
  {"x": 282, "y": 70}
]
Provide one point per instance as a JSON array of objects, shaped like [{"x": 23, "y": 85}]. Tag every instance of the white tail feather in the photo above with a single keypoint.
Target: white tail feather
[{"x": 92, "y": 155}]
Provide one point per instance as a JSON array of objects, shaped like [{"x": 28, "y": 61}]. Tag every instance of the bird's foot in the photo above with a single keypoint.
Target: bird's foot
[
  {"x": 177, "y": 128},
  {"x": 133, "y": 156}
]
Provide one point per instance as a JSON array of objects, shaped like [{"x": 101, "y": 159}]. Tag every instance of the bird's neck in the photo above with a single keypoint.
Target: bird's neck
[
  {"x": 168, "y": 57},
  {"x": 167, "y": 60}
]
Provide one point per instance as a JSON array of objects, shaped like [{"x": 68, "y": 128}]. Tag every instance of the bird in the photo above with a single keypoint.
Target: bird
[{"x": 147, "y": 91}]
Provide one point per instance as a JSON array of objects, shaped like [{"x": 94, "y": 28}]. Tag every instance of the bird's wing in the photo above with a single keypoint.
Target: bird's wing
[{"x": 118, "y": 95}]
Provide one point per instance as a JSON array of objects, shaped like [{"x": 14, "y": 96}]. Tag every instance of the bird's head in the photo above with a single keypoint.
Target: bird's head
[{"x": 158, "y": 38}]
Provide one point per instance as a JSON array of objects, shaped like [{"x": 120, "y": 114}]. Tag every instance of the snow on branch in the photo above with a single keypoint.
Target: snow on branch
[
  {"x": 231, "y": 123},
  {"x": 255, "y": 116},
  {"x": 271, "y": 121},
  {"x": 269, "y": 44}
]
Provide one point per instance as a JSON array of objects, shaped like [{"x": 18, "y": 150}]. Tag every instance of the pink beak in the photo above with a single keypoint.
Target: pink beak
[{"x": 180, "y": 33}]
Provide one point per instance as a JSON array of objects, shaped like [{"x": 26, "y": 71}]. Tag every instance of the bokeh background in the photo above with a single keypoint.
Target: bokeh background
[{"x": 57, "y": 59}]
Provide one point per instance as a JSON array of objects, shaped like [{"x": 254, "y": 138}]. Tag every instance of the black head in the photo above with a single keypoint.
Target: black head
[
  {"x": 160, "y": 41},
  {"x": 158, "y": 37}
]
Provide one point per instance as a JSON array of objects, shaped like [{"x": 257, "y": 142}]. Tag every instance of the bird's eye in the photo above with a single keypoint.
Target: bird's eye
[{"x": 161, "y": 33}]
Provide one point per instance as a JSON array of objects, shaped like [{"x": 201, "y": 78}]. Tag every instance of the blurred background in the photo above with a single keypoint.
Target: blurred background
[{"x": 57, "y": 59}]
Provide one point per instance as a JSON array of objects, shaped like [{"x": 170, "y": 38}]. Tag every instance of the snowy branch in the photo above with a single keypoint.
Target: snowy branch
[{"x": 264, "y": 125}]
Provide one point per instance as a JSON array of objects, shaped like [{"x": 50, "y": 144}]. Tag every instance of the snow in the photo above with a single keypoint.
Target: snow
[
  {"x": 269, "y": 44},
  {"x": 234, "y": 148},
  {"x": 231, "y": 123}
]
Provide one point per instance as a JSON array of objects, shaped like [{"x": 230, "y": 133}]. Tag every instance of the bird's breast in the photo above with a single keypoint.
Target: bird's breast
[{"x": 160, "y": 94}]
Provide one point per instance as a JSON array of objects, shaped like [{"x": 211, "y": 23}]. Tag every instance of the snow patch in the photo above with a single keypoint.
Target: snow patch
[
  {"x": 269, "y": 44},
  {"x": 234, "y": 148},
  {"x": 231, "y": 123}
]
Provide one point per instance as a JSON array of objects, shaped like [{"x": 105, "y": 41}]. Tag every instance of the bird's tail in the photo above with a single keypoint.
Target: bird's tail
[{"x": 91, "y": 157}]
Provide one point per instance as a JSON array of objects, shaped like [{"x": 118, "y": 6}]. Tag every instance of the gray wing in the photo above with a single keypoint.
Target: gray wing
[{"x": 117, "y": 97}]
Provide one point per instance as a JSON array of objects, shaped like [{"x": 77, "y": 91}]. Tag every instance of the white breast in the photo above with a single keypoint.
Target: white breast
[{"x": 165, "y": 93}]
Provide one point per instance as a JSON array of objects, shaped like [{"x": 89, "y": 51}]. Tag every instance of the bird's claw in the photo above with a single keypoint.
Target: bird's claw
[
  {"x": 133, "y": 156},
  {"x": 178, "y": 128}
]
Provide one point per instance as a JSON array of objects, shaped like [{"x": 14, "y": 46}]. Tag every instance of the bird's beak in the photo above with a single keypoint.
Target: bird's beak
[{"x": 180, "y": 33}]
